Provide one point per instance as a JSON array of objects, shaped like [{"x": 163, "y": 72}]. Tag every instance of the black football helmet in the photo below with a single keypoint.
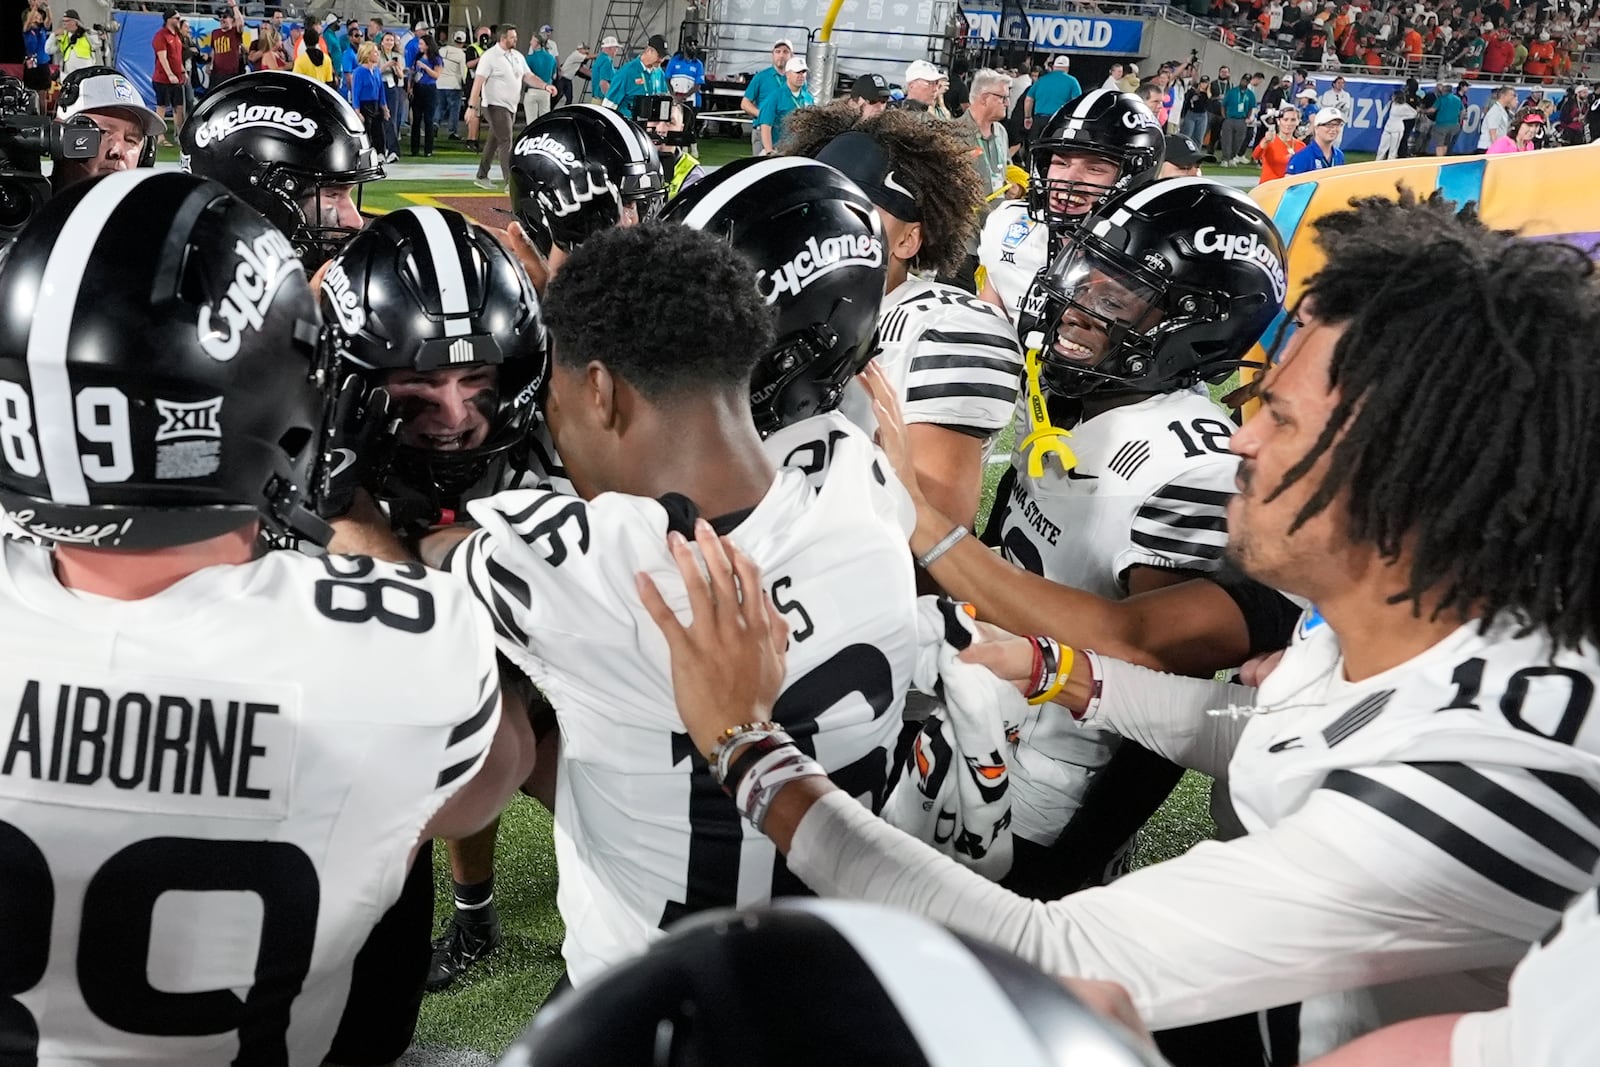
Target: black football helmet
[
  {"x": 275, "y": 139},
  {"x": 1116, "y": 126},
  {"x": 424, "y": 289},
  {"x": 817, "y": 245},
  {"x": 1161, "y": 288},
  {"x": 174, "y": 390},
  {"x": 574, "y": 172},
  {"x": 857, "y": 984}
]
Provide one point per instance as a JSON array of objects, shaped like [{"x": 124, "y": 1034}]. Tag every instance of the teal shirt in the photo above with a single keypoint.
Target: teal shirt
[
  {"x": 1238, "y": 103},
  {"x": 767, "y": 81},
  {"x": 543, "y": 65},
  {"x": 601, "y": 69},
  {"x": 777, "y": 106},
  {"x": 1051, "y": 92},
  {"x": 1447, "y": 110},
  {"x": 633, "y": 80}
]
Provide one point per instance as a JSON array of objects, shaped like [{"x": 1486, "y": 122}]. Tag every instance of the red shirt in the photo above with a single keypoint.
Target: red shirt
[
  {"x": 167, "y": 41},
  {"x": 226, "y": 46},
  {"x": 1273, "y": 155}
]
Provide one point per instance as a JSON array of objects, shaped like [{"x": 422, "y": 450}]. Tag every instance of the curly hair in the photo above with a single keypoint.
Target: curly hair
[
  {"x": 1465, "y": 428},
  {"x": 673, "y": 311},
  {"x": 929, "y": 154}
]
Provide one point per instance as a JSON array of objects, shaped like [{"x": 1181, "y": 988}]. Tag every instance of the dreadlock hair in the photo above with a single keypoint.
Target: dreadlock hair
[
  {"x": 927, "y": 153},
  {"x": 1465, "y": 429}
]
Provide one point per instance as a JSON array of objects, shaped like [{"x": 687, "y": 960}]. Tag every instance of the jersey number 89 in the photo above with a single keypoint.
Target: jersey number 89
[{"x": 101, "y": 419}]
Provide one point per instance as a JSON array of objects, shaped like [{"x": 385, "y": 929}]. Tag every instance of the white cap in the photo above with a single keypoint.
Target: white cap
[
  {"x": 1060, "y": 63},
  {"x": 106, "y": 91},
  {"x": 681, "y": 83},
  {"x": 1308, "y": 93},
  {"x": 1327, "y": 115},
  {"x": 922, "y": 71},
  {"x": 796, "y": 65},
  {"x": 783, "y": 42},
  {"x": 609, "y": 41}
]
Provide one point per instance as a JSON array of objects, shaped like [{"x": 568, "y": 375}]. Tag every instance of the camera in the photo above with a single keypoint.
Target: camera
[
  {"x": 26, "y": 137},
  {"x": 658, "y": 109}
]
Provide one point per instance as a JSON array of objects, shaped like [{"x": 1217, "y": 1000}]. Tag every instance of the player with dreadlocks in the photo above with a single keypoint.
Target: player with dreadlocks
[
  {"x": 953, "y": 357},
  {"x": 1420, "y": 775}
]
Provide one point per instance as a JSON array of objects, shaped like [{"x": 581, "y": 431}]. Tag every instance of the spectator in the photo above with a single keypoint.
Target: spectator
[
  {"x": 1541, "y": 57},
  {"x": 1214, "y": 116},
  {"x": 688, "y": 64},
  {"x": 313, "y": 62},
  {"x": 1279, "y": 144},
  {"x": 1340, "y": 100},
  {"x": 767, "y": 81},
  {"x": 1401, "y": 115},
  {"x": 452, "y": 80},
  {"x": 1322, "y": 152},
  {"x": 1196, "y": 110},
  {"x": 75, "y": 46},
  {"x": 940, "y": 107},
  {"x": 791, "y": 97},
  {"x": 1113, "y": 78},
  {"x": 193, "y": 63},
  {"x": 425, "y": 72},
  {"x": 1572, "y": 119},
  {"x": 392, "y": 66},
  {"x": 869, "y": 95},
  {"x": 1183, "y": 158},
  {"x": 227, "y": 44},
  {"x": 1594, "y": 118},
  {"x": 266, "y": 51},
  {"x": 982, "y": 126},
  {"x": 368, "y": 95},
  {"x": 640, "y": 76},
  {"x": 603, "y": 71},
  {"x": 1272, "y": 98},
  {"x": 542, "y": 64},
  {"x": 1497, "y": 117},
  {"x": 1046, "y": 96},
  {"x": 36, "y": 72},
  {"x": 570, "y": 71},
  {"x": 502, "y": 73},
  {"x": 169, "y": 76},
  {"x": 1130, "y": 80},
  {"x": 1238, "y": 104},
  {"x": 922, "y": 85},
  {"x": 1447, "y": 107},
  {"x": 1498, "y": 52},
  {"x": 1530, "y": 128}
]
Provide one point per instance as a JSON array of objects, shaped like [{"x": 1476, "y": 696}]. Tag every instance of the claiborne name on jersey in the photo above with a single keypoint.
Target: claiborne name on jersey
[
  {"x": 819, "y": 258},
  {"x": 251, "y": 116},
  {"x": 264, "y": 265},
  {"x": 107, "y": 745},
  {"x": 1247, "y": 247}
]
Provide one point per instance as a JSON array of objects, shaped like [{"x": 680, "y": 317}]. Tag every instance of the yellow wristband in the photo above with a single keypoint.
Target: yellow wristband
[{"x": 1063, "y": 672}]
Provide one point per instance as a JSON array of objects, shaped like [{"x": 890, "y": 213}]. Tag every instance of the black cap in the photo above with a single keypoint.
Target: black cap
[
  {"x": 659, "y": 43},
  {"x": 71, "y": 13},
  {"x": 859, "y": 157},
  {"x": 870, "y": 87},
  {"x": 169, "y": 13},
  {"x": 1182, "y": 152}
]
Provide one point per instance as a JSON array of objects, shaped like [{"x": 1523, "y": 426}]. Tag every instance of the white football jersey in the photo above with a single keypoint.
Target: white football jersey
[
  {"x": 953, "y": 358},
  {"x": 1012, "y": 249},
  {"x": 209, "y": 797},
  {"x": 643, "y": 834},
  {"x": 1468, "y": 778},
  {"x": 1151, "y": 488}
]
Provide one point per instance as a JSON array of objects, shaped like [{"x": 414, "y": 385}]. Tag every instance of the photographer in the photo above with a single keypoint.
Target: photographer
[
  {"x": 126, "y": 125},
  {"x": 74, "y": 48},
  {"x": 641, "y": 76},
  {"x": 670, "y": 123}
]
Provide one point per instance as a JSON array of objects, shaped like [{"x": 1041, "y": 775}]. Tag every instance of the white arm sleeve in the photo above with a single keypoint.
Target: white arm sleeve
[
  {"x": 1268, "y": 919},
  {"x": 1171, "y": 715}
]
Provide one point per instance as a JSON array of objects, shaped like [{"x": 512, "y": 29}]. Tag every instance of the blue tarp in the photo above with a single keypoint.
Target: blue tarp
[{"x": 1372, "y": 98}]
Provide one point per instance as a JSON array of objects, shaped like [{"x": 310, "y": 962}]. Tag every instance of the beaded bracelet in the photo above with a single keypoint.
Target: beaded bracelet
[
  {"x": 717, "y": 754},
  {"x": 742, "y": 758}
]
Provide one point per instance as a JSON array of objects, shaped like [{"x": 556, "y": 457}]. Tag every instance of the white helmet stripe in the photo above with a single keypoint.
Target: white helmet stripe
[
  {"x": 49, "y": 339},
  {"x": 938, "y": 985},
  {"x": 718, "y": 198},
  {"x": 446, "y": 269},
  {"x": 630, "y": 133},
  {"x": 1143, "y": 196}
]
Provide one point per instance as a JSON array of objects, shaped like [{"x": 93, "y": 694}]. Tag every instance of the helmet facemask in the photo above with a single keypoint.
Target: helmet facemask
[
  {"x": 803, "y": 376},
  {"x": 1095, "y": 320}
]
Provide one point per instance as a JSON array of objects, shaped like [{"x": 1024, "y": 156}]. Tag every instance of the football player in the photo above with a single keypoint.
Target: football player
[
  {"x": 1420, "y": 775},
  {"x": 440, "y": 326},
  {"x": 643, "y": 836},
  {"x": 1161, "y": 290},
  {"x": 194, "y": 842},
  {"x": 955, "y": 358},
  {"x": 291, "y": 148},
  {"x": 1100, "y": 145}
]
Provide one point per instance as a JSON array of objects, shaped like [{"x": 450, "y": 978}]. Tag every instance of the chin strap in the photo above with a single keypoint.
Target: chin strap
[{"x": 1043, "y": 437}]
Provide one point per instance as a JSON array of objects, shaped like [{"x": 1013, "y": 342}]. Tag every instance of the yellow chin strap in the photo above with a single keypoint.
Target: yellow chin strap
[{"x": 1043, "y": 438}]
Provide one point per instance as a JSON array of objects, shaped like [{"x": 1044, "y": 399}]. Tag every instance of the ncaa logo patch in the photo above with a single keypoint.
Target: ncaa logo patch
[
  {"x": 123, "y": 89},
  {"x": 1016, "y": 233}
]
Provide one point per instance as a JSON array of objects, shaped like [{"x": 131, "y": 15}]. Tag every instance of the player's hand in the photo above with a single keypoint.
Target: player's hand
[
  {"x": 538, "y": 268},
  {"x": 1256, "y": 668},
  {"x": 1110, "y": 1001},
  {"x": 892, "y": 437},
  {"x": 1008, "y": 657},
  {"x": 728, "y": 663},
  {"x": 361, "y": 448}
]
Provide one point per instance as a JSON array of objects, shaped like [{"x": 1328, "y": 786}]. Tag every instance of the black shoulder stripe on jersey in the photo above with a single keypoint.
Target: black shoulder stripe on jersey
[
  {"x": 527, "y": 513},
  {"x": 893, "y": 325},
  {"x": 1577, "y": 792},
  {"x": 1008, "y": 367},
  {"x": 962, "y": 337},
  {"x": 503, "y": 578},
  {"x": 942, "y": 389},
  {"x": 1544, "y": 828},
  {"x": 1192, "y": 495},
  {"x": 1172, "y": 546},
  {"x": 1129, "y": 458},
  {"x": 1179, "y": 520},
  {"x": 1361, "y": 714},
  {"x": 471, "y": 726},
  {"x": 499, "y": 610},
  {"x": 1451, "y": 839},
  {"x": 456, "y": 770}
]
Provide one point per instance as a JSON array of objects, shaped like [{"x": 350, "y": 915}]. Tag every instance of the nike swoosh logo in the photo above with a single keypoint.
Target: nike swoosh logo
[
  {"x": 343, "y": 459},
  {"x": 1078, "y": 476},
  {"x": 890, "y": 183}
]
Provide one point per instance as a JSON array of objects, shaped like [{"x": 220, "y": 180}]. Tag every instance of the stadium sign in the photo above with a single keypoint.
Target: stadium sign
[{"x": 1066, "y": 33}]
